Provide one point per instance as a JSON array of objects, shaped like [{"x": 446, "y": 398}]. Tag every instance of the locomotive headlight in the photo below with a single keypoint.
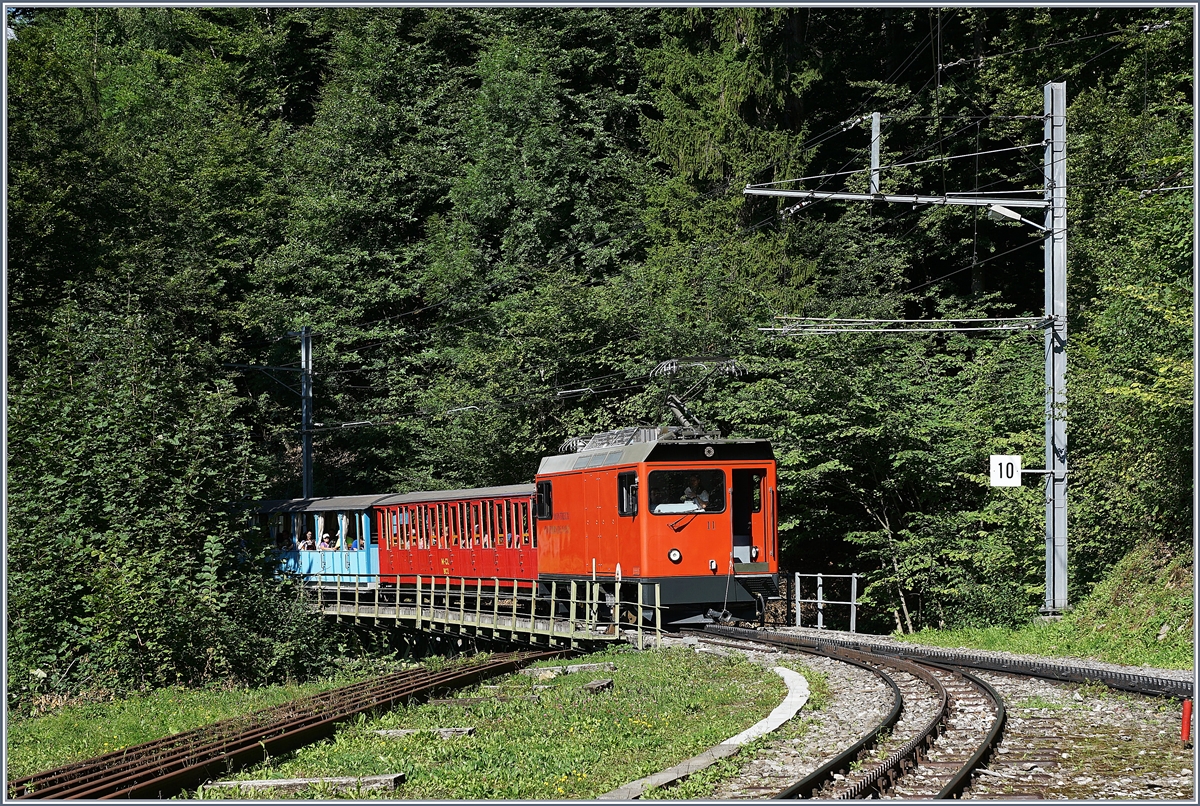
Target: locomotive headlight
[
  {"x": 712, "y": 565},
  {"x": 754, "y": 553},
  {"x": 675, "y": 556}
]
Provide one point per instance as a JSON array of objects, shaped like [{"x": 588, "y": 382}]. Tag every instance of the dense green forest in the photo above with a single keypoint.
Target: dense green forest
[{"x": 497, "y": 222}]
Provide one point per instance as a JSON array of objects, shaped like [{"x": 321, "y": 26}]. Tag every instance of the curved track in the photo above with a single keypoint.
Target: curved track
[
  {"x": 952, "y": 724},
  {"x": 168, "y": 766}
]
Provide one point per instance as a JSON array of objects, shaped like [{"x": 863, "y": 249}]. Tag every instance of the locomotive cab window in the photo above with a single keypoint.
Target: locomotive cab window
[
  {"x": 545, "y": 501},
  {"x": 675, "y": 491},
  {"x": 627, "y": 492}
]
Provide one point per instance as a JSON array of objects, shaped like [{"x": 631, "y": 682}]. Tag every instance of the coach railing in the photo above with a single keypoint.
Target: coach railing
[{"x": 571, "y": 613}]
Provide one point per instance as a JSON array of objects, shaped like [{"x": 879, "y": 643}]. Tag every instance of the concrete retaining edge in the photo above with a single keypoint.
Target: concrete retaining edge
[{"x": 796, "y": 698}]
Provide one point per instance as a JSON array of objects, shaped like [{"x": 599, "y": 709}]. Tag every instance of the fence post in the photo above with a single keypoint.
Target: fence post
[
  {"x": 553, "y": 608},
  {"x": 853, "y": 599},
  {"x": 658, "y": 614},
  {"x": 820, "y": 603},
  {"x": 641, "y": 645},
  {"x": 418, "y": 602},
  {"x": 496, "y": 607},
  {"x": 788, "y": 596},
  {"x": 513, "y": 624},
  {"x": 571, "y": 615},
  {"x": 796, "y": 597},
  {"x": 616, "y": 611},
  {"x": 533, "y": 613}
]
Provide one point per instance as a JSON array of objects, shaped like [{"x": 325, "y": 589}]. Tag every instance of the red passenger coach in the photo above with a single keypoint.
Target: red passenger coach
[
  {"x": 696, "y": 516},
  {"x": 460, "y": 534}
]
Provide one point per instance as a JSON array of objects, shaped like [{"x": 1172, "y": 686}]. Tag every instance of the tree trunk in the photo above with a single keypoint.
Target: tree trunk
[{"x": 900, "y": 593}]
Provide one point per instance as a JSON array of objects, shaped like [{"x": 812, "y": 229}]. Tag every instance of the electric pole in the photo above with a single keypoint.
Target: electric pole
[
  {"x": 306, "y": 410},
  {"x": 1054, "y": 323},
  {"x": 1056, "y": 348}
]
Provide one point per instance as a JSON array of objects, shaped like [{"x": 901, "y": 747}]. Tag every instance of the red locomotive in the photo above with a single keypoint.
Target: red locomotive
[{"x": 699, "y": 517}]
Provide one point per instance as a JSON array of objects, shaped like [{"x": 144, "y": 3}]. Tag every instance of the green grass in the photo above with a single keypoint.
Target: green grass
[
  {"x": 1037, "y": 701},
  {"x": 665, "y": 706},
  {"x": 702, "y": 784},
  {"x": 1119, "y": 622},
  {"x": 91, "y": 729}
]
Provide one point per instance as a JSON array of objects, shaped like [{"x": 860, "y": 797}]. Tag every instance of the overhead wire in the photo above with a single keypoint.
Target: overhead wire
[{"x": 905, "y": 164}]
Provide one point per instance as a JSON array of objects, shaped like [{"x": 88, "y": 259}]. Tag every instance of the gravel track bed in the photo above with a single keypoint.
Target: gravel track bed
[
  {"x": 858, "y": 702},
  {"x": 920, "y": 706},
  {"x": 970, "y": 718},
  {"x": 1061, "y": 741},
  {"x": 1066, "y": 741}
]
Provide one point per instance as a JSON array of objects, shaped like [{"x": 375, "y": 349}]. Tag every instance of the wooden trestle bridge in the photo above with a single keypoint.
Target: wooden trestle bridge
[{"x": 574, "y": 614}]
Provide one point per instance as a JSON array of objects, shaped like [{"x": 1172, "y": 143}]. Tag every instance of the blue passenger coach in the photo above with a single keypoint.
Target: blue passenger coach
[{"x": 353, "y": 554}]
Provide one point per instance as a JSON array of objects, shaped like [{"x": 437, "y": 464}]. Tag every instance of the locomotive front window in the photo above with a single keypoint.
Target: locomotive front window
[{"x": 675, "y": 491}]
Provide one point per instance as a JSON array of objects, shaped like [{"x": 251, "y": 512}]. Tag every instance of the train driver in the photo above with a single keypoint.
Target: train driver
[{"x": 696, "y": 493}]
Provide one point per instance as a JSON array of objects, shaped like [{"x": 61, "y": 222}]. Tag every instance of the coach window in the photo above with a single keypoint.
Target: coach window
[
  {"x": 545, "y": 501},
  {"x": 676, "y": 491},
  {"x": 627, "y": 491},
  {"x": 508, "y": 526}
]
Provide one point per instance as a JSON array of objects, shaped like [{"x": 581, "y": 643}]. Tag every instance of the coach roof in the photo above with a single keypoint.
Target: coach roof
[{"x": 356, "y": 502}]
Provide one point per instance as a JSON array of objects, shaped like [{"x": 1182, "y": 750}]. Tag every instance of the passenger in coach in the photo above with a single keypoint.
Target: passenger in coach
[
  {"x": 324, "y": 545},
  {"x": 695, "y": 493},
  {"x": 308, "y": 544}
]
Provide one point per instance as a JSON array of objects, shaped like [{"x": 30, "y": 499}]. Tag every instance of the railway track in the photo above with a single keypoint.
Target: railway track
[
  {"x": 168, "y": 766},
  {"x": 944, "y": 725}
]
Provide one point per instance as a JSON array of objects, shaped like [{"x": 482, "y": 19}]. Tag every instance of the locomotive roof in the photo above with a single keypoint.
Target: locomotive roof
[
  {"x": 724, "y": 450},
  {"x": 355, "y": 502}
]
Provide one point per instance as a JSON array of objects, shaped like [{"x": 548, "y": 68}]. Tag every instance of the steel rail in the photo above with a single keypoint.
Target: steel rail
[
  {"x": 185, "y": 760},
  {"x": 907, "y": 753},
  {"x": 893, "y": 766},
  {"x": 196, "y": 740},
  {"x": 298, "y": 731},
  {"x": 219, "y": 759},
  {"x": 1121, "y": 681},
  {"x": 962, "y": 777},
  {"x": 821, "y": 775},
  {"x": 255, "y": 744},
  {"x": 188, "y": 735}
]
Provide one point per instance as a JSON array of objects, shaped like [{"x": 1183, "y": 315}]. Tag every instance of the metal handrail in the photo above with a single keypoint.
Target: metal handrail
[
  {"x": 820, "y": 601},
  {"x": 452, "y": 602}
]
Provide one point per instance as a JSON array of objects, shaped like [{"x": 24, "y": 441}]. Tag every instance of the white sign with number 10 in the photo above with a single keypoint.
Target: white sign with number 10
[{"x": 1006, "y": 471}]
